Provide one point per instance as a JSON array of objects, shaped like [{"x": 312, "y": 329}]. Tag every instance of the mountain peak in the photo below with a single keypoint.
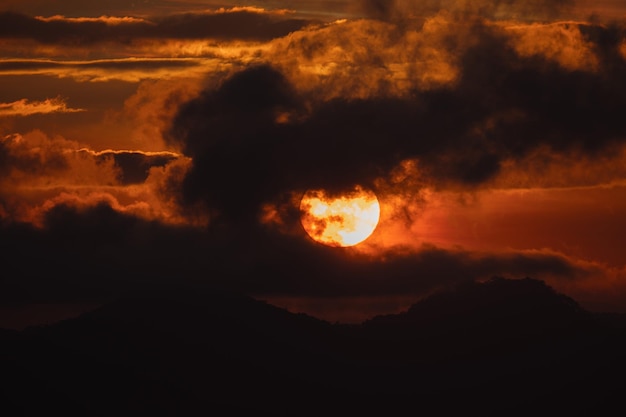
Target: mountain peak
[{"x": 496, "y": 300}]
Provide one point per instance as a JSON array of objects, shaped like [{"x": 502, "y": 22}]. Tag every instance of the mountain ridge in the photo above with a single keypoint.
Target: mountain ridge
[{"x": 183, "y": 353}]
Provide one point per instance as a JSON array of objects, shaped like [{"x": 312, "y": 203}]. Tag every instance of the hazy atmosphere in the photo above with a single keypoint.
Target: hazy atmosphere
[{"x": 167, "y": 144}]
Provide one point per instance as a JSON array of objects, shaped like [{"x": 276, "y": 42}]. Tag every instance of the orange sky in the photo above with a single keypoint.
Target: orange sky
[{"x": 492, "y": 133}]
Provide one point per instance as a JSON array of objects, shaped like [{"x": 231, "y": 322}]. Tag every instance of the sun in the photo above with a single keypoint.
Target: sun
[{"x": 339, "y": 220}]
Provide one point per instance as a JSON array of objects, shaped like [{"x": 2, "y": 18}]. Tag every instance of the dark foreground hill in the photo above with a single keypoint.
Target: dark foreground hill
[{"x": 504, "y": 347}]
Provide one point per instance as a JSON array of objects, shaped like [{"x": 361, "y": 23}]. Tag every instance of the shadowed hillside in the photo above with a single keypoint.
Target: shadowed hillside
[{"x": 503, "y": 347}]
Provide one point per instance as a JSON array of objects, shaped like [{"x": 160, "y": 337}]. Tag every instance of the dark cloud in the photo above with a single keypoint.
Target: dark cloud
[
  {"x": 254, "y": 138},
  {"x": 104, "y": 64},
  {"x": 502, "y": 107},
  {"x": 16, "y": 156},
  {"x": 378, "y": 9},
  {"x": 91, "y": 253},
  {"x": 78, "y": 8},
  {"x": 231, "y": 25},
  {"x": 398, "y": 10},
  {"x": 521, "y": 8},
  {"x": 560, "y": 108},
  {"x": 236, "y": 144},
  {"x": 313, "y": 270},
  {"x": 98, "y": 253},
  {"x": 242, "y": 25},
  {"x": 59, "y": 158},
  {"x": 135, "y": 166}
]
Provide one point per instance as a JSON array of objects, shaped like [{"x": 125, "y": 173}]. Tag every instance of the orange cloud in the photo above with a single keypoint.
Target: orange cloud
[
  {"x": 35, "y": 160},
  {"x": 41, "y": 172},
  {"x": 436, "y": 69},
  {"x": 544, "y": 168},
  {"x": 148, "y": 112},
  {"x": 372, "y": 58},
  {"x": 252, "y": 9},
  {"x": 102, "y": 70},
  {"x": 25, "y": 107},
  {"x": 108, "y": 20},
  {"x": 561, "y": 42},
  {"x": 365, "y": 58}
]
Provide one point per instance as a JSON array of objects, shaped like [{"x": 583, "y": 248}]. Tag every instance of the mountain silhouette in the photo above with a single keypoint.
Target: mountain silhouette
[
  {"x": 500, "y": 347},
  {"x": 498, "y": 311}
]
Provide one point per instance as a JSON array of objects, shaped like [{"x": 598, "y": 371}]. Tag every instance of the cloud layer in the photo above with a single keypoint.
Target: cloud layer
[
  {"x": 241, "y": 23},
  {"x": 414, "y": 100},
  {"x": 503, "y": 107},
  {"x": 25, "y": 107}
]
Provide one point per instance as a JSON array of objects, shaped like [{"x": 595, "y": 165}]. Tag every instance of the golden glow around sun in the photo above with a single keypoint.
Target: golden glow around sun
[{"x": 342, "y": 220}]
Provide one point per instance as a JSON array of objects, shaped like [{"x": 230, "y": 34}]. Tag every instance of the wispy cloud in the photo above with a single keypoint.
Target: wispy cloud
[
  {"x": 223, "y": 24},
  {"x": 127, "y": 69},
  {"x": 109, "y": 20},
  {"x": 25, "y": 107}
]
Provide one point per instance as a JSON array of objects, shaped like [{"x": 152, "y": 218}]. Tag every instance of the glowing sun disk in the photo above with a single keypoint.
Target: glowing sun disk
[{"x": 344, "y": 220}]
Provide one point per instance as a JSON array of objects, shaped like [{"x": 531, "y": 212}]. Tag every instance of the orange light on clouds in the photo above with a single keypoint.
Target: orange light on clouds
[
  {"x": 25, "y": 107},
  {"x": 344, "y": 220},
  {"x": 108, "y": 20}
]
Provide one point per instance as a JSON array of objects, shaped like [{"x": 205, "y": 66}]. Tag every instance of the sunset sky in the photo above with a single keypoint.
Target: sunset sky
[{"x": 161, "y": 143}]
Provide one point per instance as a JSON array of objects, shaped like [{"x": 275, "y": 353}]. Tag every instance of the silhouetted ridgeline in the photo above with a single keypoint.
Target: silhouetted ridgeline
[{"x": 504, "y": 347}]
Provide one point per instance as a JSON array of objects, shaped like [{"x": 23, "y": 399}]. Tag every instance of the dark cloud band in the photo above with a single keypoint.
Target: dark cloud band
[
  {"x": 241, "y": 25},
  {"x": 502, "y": 107}
]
